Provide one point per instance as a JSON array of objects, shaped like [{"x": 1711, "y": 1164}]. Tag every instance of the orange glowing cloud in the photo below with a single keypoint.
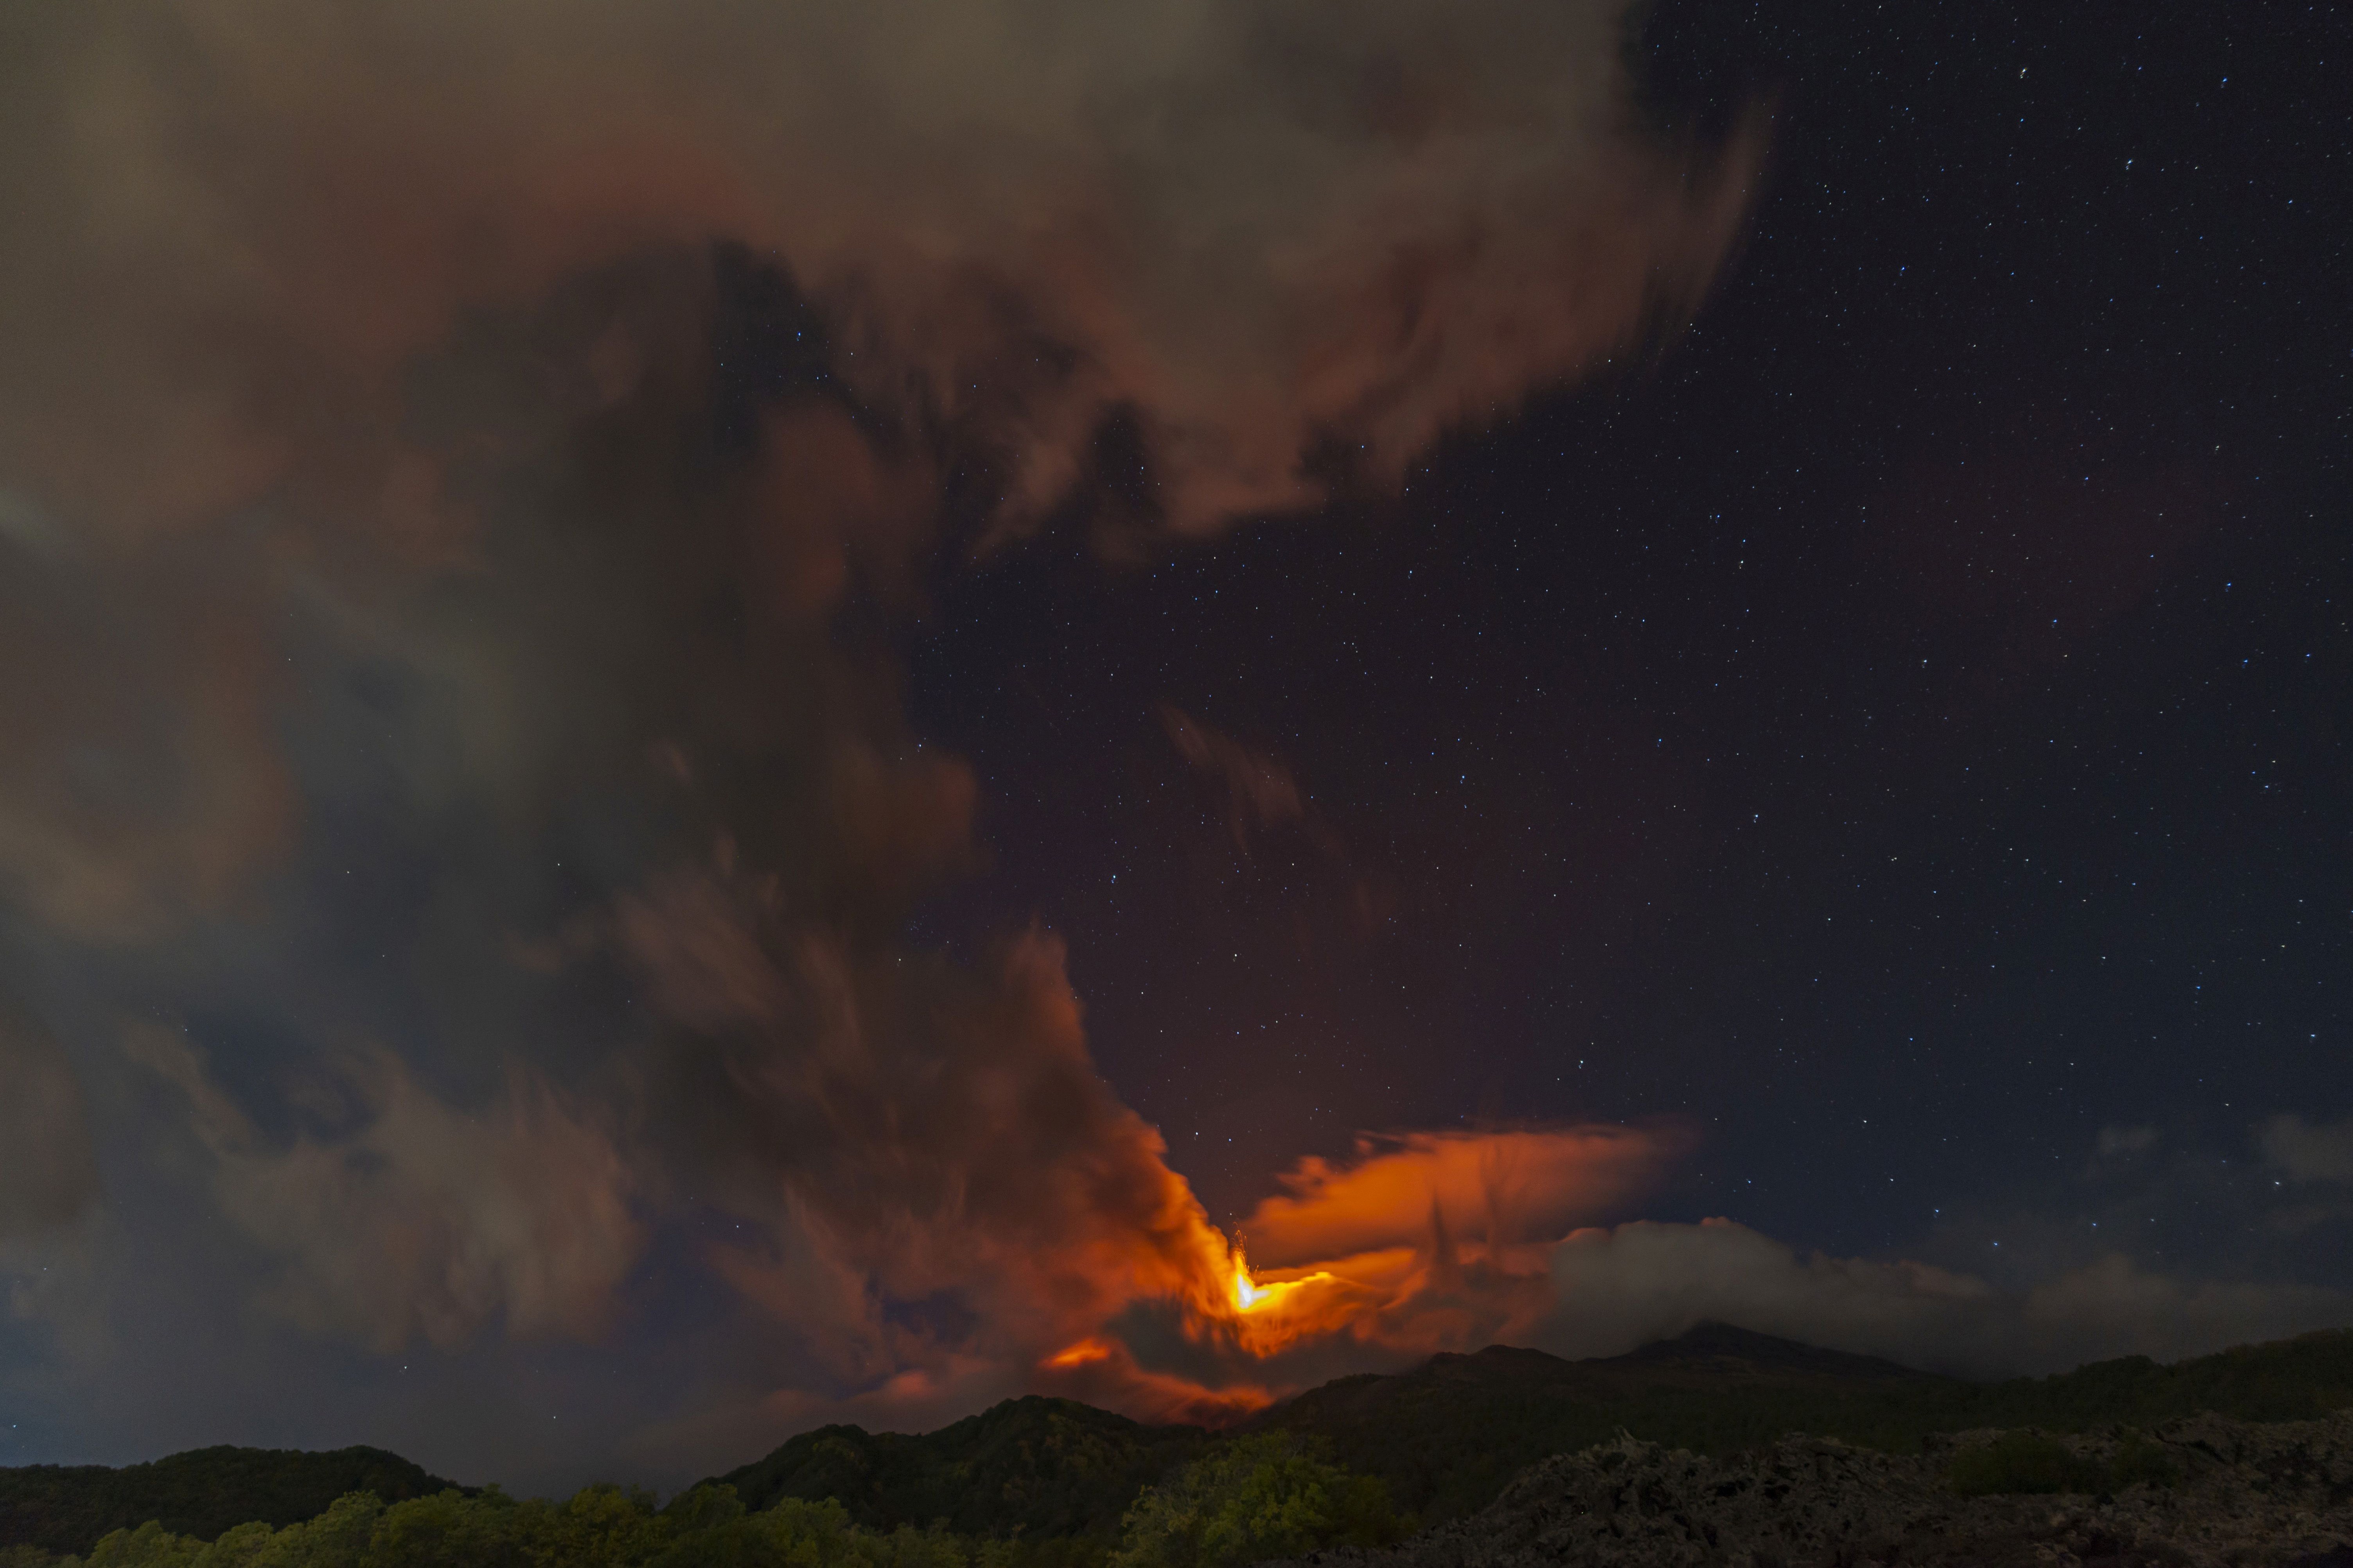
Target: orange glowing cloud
[
  {"x": 1506, "y": 1188},
  {"x": 1425, "y": 1241},
  {"x": 1103, "y": 1370}
]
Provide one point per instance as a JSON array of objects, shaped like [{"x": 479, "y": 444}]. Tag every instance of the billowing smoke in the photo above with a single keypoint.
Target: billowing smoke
[
  {"x": 48, "y": 1173},
  {"x": 425, "y": 1223},
  {"x": 1285, "y": 243},
  {"x": 437, "y": 445},
  {"x": 1506, "y": 1188}
]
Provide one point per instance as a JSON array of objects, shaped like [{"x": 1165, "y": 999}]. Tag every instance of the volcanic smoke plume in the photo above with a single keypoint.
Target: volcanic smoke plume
[
  {"x": 1256, "y": 231},
  {"x": 445, "y": 802}
]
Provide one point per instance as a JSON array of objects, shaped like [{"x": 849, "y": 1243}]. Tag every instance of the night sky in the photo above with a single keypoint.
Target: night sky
[
  {"x": 1898, "y": 724},
  {"x": 697, "y": 735}
]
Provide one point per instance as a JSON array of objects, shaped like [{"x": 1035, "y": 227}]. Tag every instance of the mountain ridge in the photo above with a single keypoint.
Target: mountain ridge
[
  {"x": 1445, "y": 1436},
  {"x": 198, "y": 1492},
  {"x": 1448, "y": 1434}
]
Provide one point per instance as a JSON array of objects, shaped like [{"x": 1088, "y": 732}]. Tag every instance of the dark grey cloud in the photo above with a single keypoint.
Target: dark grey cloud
[
  {"x": 1255, "y": 230},
  {"x": 48, "y": 1171},
  {"x": 428, "y": 1223},
  {"x": 2305, "y": 1151},
  {"x": 441, "y": 793},
  {"x": 574, "y": 954},
  {"x": 1618, "y": 1288}
]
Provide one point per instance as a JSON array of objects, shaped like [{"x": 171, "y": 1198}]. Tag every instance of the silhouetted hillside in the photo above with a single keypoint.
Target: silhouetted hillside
[
  {"x": 1033, "y": 1467},
  {"x": 1056, "y": 1476},
  {"x": 1721, "y": 1349},
  {"x": 1448, "y": 1435},
  {"x": 65, "y": 1508}
]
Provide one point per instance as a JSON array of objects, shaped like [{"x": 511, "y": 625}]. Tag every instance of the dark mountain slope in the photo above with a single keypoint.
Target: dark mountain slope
[
  {"x": 1449, "y": 1434},
  {"x": 1446, "y": 1437},
  {"x": 1031, "y": 1468},
  {"x": 1721, "y": 1349},
  {"x": 65, "y": 1508}
]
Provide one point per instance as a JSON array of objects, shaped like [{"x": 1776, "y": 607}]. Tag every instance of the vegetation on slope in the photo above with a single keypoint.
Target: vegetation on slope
[
  {"x": 1243, "y": 1502},
  {"x": 1024, "y": 1469},
  {"x": 2033, "y": 1462},
  {"x": 601, "y": 1527},
  {"x": 1045, "y": 1483},
  {"x": 200, "y": 1493},
  {"x": 1256, "y": 1498}
]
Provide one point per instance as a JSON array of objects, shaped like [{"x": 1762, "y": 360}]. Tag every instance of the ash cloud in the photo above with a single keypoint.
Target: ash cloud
[
  {"x": 904, "y": 1127},
  {"x": 48, "y": 1171},
  {"x": 581, "y": 952},
  {"x": 436, "y": 448},
  {"x": 434, "y": 750},
  {"x": 2305, "y": 1152},
  {"x": 1506, "y": 1188},
  {"x": 427, "y": 1223},
  {"x": 1252, "y": 232}
]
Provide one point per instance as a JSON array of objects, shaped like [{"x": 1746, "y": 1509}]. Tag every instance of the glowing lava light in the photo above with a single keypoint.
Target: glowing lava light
[{"x": 1247, "y": 1292}]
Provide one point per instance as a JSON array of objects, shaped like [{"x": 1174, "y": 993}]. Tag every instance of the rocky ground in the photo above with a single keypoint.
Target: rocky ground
[{"x": 2224, "y": 1492}]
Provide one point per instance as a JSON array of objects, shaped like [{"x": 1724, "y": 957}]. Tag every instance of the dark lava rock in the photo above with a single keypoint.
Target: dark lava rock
[{"x": 2227, "y": 1493}]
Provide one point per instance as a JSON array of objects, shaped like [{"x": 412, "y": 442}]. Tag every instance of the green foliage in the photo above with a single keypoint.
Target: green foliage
[
  {"x": 2032, "y": 1462},
  {"x": 1030, "y": 1470},
  {"x": 705, "y": 1507},
  {"x": 2023, "y": 1462},
  {"x": 201, "y": 1493},
  {"x": 337, "y": 1536},
  {"x": 600, "y": 1527},
  {"x": 2140, "y": 1461},
  {"x": 238, "y": 1548},
  {"x": 149, "y": 1546},
  {"x": 1252, "y": 1498}
]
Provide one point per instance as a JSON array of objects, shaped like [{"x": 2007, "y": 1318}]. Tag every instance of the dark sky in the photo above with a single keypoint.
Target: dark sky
[
  {"x": 1898, "y": 724},
  {"x": 654, "y": 739}
]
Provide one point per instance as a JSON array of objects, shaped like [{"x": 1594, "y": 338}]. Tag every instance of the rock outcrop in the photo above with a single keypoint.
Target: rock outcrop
[{"x": 2196, "y": 1492}]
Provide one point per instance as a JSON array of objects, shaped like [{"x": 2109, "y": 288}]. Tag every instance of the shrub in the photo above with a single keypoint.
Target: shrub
[
  {"x": 2140, "y": 1461},
  {"x": 2024, "y": 1462},
  {"x": 335, "y": 1538},
  {"x": 1256, "y": 1498},
  {"x": 149, "y": 1546}
]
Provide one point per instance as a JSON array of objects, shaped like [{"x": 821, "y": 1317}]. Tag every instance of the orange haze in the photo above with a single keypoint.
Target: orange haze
[{"x": 1423, "y": 1242}]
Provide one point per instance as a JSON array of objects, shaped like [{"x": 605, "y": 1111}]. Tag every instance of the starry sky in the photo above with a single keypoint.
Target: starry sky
[
  {"x": 1898, "y": 724},
  {"x": 719, "y": 724}
]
